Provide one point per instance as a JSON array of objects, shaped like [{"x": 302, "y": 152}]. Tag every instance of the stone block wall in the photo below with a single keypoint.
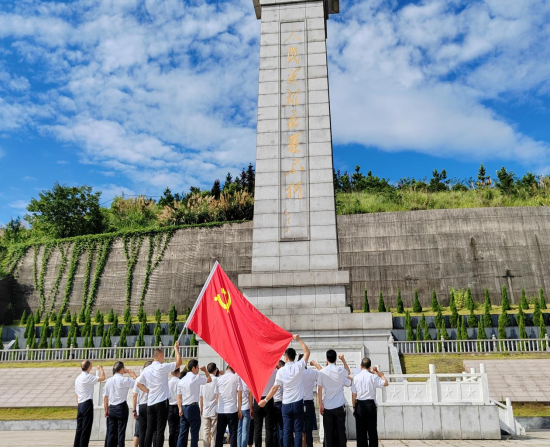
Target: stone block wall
[{"x": 422, "y": 250}]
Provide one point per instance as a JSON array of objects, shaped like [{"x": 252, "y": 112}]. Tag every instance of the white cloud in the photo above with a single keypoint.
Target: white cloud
[
  {"x": 29, "y": 179},
  {"x": 164, "y": 93},
  {"x": 18, "y": 205},
  {"x": 418, "y": 78}
]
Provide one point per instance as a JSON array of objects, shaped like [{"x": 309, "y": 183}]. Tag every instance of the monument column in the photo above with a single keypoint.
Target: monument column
[{"x": 295, "y": 242}]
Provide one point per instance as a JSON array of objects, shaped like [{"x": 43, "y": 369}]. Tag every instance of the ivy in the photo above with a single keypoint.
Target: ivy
[
  {"x": 156, "y": 244},
  {"x": 39, "y": 282},
  {"x": 102, "y": 256},
  {"x": 64, "y": 250},
  {"x": 90, "y": 247},
  {"x": 73, "y": 266},
  {"x": 15, "y": 253},
  {"x": 132, "y": 245}
]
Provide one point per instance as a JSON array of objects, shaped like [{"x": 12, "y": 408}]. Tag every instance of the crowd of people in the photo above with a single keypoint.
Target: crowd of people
[{"x": 223, "y": 405}]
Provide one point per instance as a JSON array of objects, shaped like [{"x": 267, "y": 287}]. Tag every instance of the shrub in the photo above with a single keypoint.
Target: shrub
[
  {"x": 140, "y": 313},
  {"x": 422, "y": 322},
  {"x": 408, "y": 321},
  {"x": 469, "y": 300},
  {"x": 127, "y": 316},
  {"x": 472, "y": 320},
  {"x": 158, "y": 316},
  {"x": 487, "y": 322},
  {"x": 366, "y": 308},
  {"x": 140, "y": 342},
  {"x": 542, "y": 299},
  {"x": 82, "y": 315},
  {"x": 410, "y": 334},
  {"x": 505, "y": 301},
  {"x": 97, "y": 316},
  {"x": 460, "y": 297},
  {"x": 452, "y": 302},
  {"x": 111, "y": 316},
  {"x": 24, "y": 317},
  {"x": 400, "y": 307},
  {"x": 37, "y": 316},
  {"x": 542, "y": 334},
  {"x": 157, "y": 334},
  {"x": 439, "y": 320},
  {"x": 381, "y": 304},
  {"x": 454, "y": 318},
  {"x": 114, "y": 330},
  {"x": 419, "y": 337},
  {"x": 43, "y": 342},
  {"x": 122, "y": 341},
  {"x": 427, "y": 335},
  {"x": 524, "y": 302},
  {"x": 193, "y": 341},
  {"x": 481, "y": 333},
  {"x": 68, "y": 317},
  {"x": 435, "y": 303},
  {"x": 172, "y": 316},
  {"x": 537, "y": 315},
  {"x": 100, "y": 328},
  {"x": 16, "y": 343},
  {"x": 463, "y": 329},
  {"x": 53, "y": 317},
  {"x": 417, "y": 307},
  {"x": 503, "y": 322}
]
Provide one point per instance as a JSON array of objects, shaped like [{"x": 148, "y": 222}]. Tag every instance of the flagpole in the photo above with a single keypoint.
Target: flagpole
[{"x": 198, "y": 300}]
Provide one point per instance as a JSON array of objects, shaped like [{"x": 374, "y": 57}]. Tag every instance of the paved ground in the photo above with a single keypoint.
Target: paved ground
[
  {"x": 52, "y": 386},
  {"x": 65, "y": 438},
  {"x": 519, "y": 380}
]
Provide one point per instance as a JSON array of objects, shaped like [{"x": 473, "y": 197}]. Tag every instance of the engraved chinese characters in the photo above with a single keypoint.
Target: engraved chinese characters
[{"x": 294, "y": 133}]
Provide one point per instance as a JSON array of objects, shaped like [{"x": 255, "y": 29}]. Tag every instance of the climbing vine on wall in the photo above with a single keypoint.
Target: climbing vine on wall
[
  {"x": 64, "y": 251},
  {"x": 132, "y": 245},
  {"x": 90, "y": 248},
  {"x": 157, "y": 243},
  {"x": 39, "y": 279},
  {"x": 15, "y": 253},
  {"x": 73, "y": 266},
  {"x": 102, "y": 255}
]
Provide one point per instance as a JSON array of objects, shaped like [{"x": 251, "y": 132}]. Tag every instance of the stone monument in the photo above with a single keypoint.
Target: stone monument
[{"x": 295, "y": 278}]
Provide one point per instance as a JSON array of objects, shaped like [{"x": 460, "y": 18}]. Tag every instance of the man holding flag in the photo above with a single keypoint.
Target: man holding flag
[{"x": 289, "y": 378}]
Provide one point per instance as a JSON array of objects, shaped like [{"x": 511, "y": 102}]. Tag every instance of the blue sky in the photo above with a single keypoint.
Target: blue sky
[{"x": 135, "y": 95}]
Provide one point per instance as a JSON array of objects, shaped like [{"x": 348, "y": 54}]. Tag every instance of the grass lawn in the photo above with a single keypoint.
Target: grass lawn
[
  {"x": 446, "y": 363},
  {"x": 61, "y": 413},
  {"x": 531, "y": 410}
]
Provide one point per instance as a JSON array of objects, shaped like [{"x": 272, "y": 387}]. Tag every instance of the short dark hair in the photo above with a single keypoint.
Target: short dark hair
[
  {"x": 119, "y": 365},
  {"x": 365, "y": 363},
  {"x": 331, "y": 356},
  {"x": 147, "y": 364},
  {"x": 192, "y": 364},
  {"x": 290, "y": 353},
  {"x": 281, "y": 363},
  {"x": 183, "y": 374},
  {"x": 300, "y": 356},
  {"x": 85, "y": 365},
  {"x": 157, "y": 352},
  {"x": 176, "y": 372},
  {"x": 231, "y": 368},
  {"x": 212, "y": 367}
]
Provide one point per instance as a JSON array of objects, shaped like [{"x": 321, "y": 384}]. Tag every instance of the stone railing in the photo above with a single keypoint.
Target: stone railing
[
  {"x": 73, "y": 353},
  {"x": 472, "y": 346},
  {"x": 441, "y": 388}
]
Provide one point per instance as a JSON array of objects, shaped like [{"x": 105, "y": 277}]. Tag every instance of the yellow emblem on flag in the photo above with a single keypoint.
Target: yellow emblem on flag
[{"x": 224, "y": 305}]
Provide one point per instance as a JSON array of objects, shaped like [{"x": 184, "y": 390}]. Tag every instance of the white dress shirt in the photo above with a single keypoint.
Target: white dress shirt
[
  {"x": 246, "y": 391},
  {"x": 333, "y": 379},
  {"x": 189, "y": 387},
  {"x": 173, "y": 387},
  {"x": 365, "y": 385},
  {"x": 84, "y": 386},
  {"x": 290, "y": 377},
  {"x": 309, "y": 380},
  {"x": 278, "y": 397},
  {"x": 209, "y": 402},
  {"x": 226, "y": 389},
  {"x": 270, "y": 383},
  {"x": 156, "y": 376},
  {"x": 117, "y": 388},
  {"x": 141, "y": 396}
]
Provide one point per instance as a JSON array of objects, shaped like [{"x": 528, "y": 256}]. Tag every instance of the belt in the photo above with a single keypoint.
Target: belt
[
  {"x": 191, "y": 404},
  {"x": 366, "y": 401},
  {"x": 308, "y": 401}
]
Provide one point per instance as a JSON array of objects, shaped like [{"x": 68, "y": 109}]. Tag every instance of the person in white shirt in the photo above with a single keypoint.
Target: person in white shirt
[
  {"x": 208, "y": 405},
  {"x": 84, "y": 390},
  {"x": 290, "y": 379},
  {"x": 363, "y": 393},
  {"x": 278, "y": 439},
  {"x": 115, "y": 396},
  {"x": 266, "y": 413},
  {"x": 330, "y": 394},
  {"x": 173, "y": 412},
  {"x": 156, "y": 377},
  {"x": 244, "y": 422},
  {"x": 309, "y": 381},
  {"x": 139, "y": 401},
  {"x": 228, "y": 389},
  {"x": 187, "y": 394}
]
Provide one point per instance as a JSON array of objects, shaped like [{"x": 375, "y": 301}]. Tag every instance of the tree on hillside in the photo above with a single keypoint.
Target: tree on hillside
[
  {"x": 506, "y": 181},
  {"x": 216, "y": 189},
  {"x": 482, "y": 179},
  {"x": 66, "y": 211},
  {"x": 439, "y": 181}
]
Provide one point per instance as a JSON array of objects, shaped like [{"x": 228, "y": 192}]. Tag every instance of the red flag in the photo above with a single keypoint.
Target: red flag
[{"x": 247, "y": 340}]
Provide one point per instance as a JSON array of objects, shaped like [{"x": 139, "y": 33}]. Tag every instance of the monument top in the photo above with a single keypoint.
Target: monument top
[{"x": 331, "y": 6}]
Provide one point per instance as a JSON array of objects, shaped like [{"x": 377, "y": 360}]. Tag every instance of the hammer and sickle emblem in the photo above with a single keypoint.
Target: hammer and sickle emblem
[{"x": 224, "y": 305}]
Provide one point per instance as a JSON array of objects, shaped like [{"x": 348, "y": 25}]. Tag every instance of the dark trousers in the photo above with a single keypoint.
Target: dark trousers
[
  {"x": 366, "y": 423},
  {"x": 116, "y": 430},
  {"x": 293, "y": 423},
  {"x": 260, "y": 414},
  {"x": 157, "y": 416},
  {"x": 225, "y": 420},
  {"x": 190, "y": 420},
  {"x": 278, "y": 439},
  {"x": 251, "y": 434},
  {"x": 309, "y": 421},
  {"x": 142, "y": 418},
  {"x": 173, "y": 424},
  {"x": 84, "y": 421},
  {"x": 334, "y": 421}
]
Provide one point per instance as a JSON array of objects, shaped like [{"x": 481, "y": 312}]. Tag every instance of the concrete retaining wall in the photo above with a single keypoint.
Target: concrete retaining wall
[
  {"x": 424, "y": 250},
  {"x": 38, "y": 425},
  {"x": 454, "y": 422}
]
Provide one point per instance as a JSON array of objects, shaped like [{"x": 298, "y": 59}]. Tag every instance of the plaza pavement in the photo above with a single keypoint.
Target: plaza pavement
[{"x": 65, "y": 438}]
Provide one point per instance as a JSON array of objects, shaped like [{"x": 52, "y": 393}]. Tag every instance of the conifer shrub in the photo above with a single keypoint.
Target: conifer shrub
[
  {"x": 24, "y": 317},
  {"x": 68, "y": 318},
  {"x": 487, "y": 321},
  {"x": 400, "y": 307},
  {"x": 417, "y": 307},
  {"x": 469, "y": 300},
  {"x": 111, "y": 316},
  {"x": 439, "y": 320},
  {"x": 505, "y": 301},
  {"x": 537, "y": 315},
  {"x": 542, "y": 299},
  {"x": 472, "y": 320},
  {"x": 524, "y": 302},
  {"x": 366, "y": 307},
  {"x": 435, "y": 303},
  {"x": 381, "y": 304}
]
